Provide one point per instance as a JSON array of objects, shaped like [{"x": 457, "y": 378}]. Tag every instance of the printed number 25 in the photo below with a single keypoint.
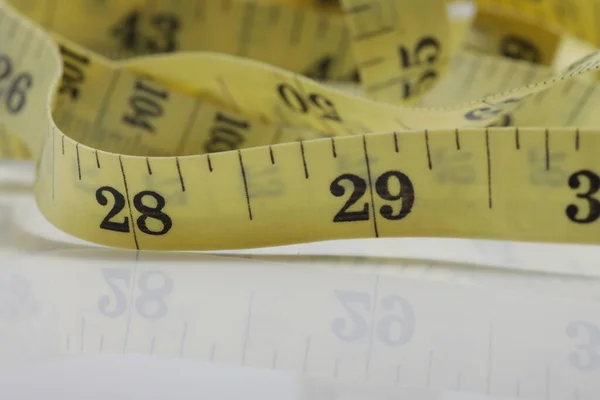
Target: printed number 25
[
  {"x": 358, "y": 305},
  {"x": 150, "y": 304}
]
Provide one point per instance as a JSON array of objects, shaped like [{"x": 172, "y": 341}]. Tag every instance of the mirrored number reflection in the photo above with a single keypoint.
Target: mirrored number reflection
[
  {"x": 16, "y": 299},
  {"x": 153, "y": 288},
  {"x": 395, "y": 328},
  {"x": 586, "y": 353}
]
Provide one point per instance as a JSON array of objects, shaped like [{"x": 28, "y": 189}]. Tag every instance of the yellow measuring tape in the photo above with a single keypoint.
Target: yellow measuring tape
[{"x": 214, "y": 137}]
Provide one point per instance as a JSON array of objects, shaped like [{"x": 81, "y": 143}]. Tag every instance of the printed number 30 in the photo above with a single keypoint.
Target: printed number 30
[
  {"x": 591, "y": 360},
  {"x": 359, "y": 303}
]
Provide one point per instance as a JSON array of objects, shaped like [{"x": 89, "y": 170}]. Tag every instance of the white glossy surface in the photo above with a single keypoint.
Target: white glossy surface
[{"x": 372, "y": 319}]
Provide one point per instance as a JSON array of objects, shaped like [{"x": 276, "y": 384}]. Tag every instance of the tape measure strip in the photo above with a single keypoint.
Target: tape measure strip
[{"x": 324, "y": 183}]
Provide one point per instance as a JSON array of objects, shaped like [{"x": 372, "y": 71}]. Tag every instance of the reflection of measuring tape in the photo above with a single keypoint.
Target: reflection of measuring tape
[
  {"x": 129, "y": 170},
  {"x": 378, "y": 325}
]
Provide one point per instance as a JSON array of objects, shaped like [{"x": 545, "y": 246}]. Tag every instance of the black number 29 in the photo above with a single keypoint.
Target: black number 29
[
  {"x": 154, "y": 212},
  {"x": 382, "y": 186}
]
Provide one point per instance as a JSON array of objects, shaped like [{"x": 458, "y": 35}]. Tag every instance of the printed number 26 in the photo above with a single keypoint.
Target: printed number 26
[
  {"x": 358, "y": 305},
  {"x": 150, "y": 304}
]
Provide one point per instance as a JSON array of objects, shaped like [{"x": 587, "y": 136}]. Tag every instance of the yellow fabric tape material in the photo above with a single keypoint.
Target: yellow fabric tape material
[{"x": 196, "y": 150}]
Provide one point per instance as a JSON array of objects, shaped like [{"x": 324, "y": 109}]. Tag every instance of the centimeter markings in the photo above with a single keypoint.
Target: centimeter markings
[
  {"x": 380, "y": 329},
  {"x": 492, "y": 161},
  {"x": 304, "y": 166}
]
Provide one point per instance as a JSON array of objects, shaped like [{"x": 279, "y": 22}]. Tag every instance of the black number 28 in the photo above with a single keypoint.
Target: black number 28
[
  {"x": 406, "y": 195},
  {"x": 146, "y": 211}
]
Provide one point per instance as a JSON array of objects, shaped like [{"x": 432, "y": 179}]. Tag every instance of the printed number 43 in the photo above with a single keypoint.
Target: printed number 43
[
  {"x": 150, "y": 304},
  {"x": 393, "y": 329}
]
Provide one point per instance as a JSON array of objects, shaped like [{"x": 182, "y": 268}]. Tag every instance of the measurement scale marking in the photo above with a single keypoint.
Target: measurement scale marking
[
  {"x": 372, "y": 34},
  {"x": 472, "y": 75},
  {"x": 188, "y": 128},
  {"x": 372, "y": 62},
  {"x": 372, "y": 322},
  {"x": 274, "y": 13},
  {"x": 227, "y": 92},
  {"x": 581, "y": 103},
  {"x": 303, "y": 159},
  {"x": 78, "y": 161},
  {"x": 130, "y": 304},
  {"x": 296, "y": 29},
  {"x": 359, "y": 8},
  {"x": 247, "y": 329},
  {"x": 183, "y": 337},
  {"x": 489, "y": 168},
  {"x": 245, "y": 37},
  {"x": 547, "y": 148},
  {"x": 99, "y": 121},
  {"x": 492, "y": 67},
  {"x": 245, "y": 184},
  {"x": 200, "y": 9},
  {"x": 530, "y": 75},
  {"x": 271, "y": 155},
  {"x": 457, "y": 139},
  {"x": 567, "y": 87},
  {"x": 508, "y": 75},
  {"x": 133, "y": 228},
  {"x": 180, "y": 174},
  {"x": 402, "y": 124},
  {"x": 370, "y": 186},
  {"x": 333, "y": 148},
  {"x": 385, "y": 84},
  {"x": 427, "y": 149}
]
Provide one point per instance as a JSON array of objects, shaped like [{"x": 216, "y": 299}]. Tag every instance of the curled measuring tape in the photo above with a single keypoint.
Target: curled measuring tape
[{"x": 200, "y": 150}]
